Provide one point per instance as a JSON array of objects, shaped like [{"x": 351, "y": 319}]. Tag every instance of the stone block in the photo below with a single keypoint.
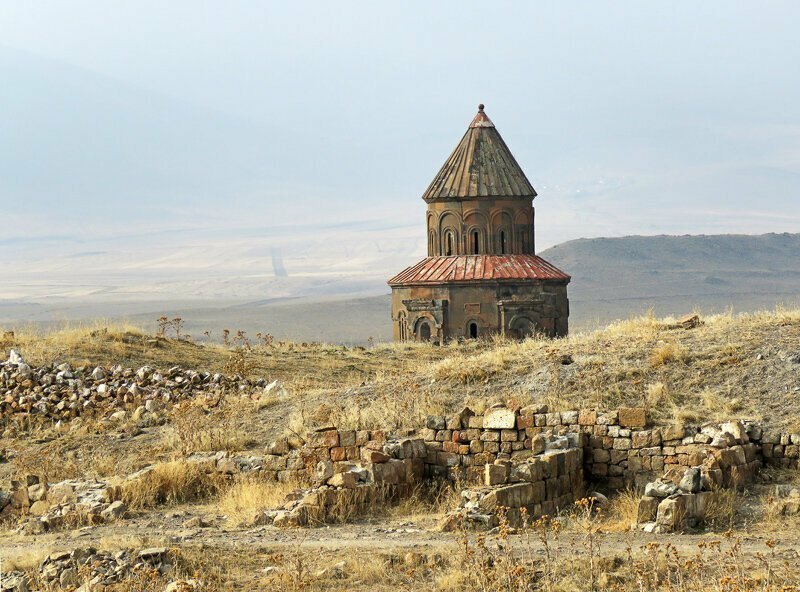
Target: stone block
[
  {"x": 529, "y": 471},
  {"x": 460, "y": 436},
  {"x": 622, "y": 444},
  {"x": 444, "y": 435},
  {"x": 524, "y": 422},
  {"x": 427, "y": 434},
  {"x": 344, "y": 480},
  {"x": 673, "y": 512},
  {"x": 632, "y": 417},
  {"x": 496, "y": 474},
  {"x": 587, "y": 417},
  {"x": 553, "y": 419},
  {"x": 553, "y": 488},
  {"x": 490, "y": 436},
  {"x": 323, "y": 438},
  {"x": 450, "y": 447},
  {"x": 647, "y": 510},
  {"x": 473, "y": 434},
  {"x": 737, "y": 430},
  {"x": 436, "y": 422},
  {"x": 673, "y": 432},
  {"x": 509, "y": 435},
  {"x": 347, "y": 438},
  {"x": 608, "y": 418},
  {"x": 569, "y": 417},
  {"x": 499, "y": 418},
  {"x": 475, "y": 422}
]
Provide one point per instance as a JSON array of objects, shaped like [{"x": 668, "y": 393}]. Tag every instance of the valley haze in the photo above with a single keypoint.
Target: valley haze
[{"x": 328, "y": 283}]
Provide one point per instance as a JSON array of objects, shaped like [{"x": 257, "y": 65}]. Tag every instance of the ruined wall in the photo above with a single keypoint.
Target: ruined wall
[{"x": 618, "y": 449}]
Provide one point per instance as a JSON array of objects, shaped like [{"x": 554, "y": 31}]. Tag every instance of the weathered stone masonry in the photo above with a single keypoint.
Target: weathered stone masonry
[{"x": 529, "y": 458}]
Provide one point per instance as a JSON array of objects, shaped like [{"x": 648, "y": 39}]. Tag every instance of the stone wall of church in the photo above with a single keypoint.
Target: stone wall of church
[
  {"x": 514, "y": 309},
  {"x": 481, "y": 227}
]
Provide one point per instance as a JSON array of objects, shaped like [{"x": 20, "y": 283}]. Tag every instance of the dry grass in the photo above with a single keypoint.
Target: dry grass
[
  {"x": 194, "y": 429},
  {"x": 723, "y": 509},
  {"x": 666, "y": 353},
  {"x": 622, "y": 511},
  {"x": 169, "y": 483},
  {"x": 247, "y": 497}
]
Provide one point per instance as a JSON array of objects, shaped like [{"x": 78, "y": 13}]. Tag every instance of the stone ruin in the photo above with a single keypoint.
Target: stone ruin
[
  {"x": 530, "y": 458},
  {"x": 527, "y": 458},
  {"x": 85, "y": 569}
]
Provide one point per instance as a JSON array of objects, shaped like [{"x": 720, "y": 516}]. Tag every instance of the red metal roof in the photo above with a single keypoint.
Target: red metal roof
[{"x": 469, "y": 268}]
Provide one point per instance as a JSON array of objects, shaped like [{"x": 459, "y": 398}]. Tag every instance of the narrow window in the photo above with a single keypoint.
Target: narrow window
[
  {"x": 473, "y": 330},
  {"x": 475, "y": 242},
  {"x": 449, "y": 244},
  {"x": 502, "y": 242}
]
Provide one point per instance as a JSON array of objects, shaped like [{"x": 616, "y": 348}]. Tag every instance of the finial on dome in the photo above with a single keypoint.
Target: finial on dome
[{"x": 480, "y": 107}]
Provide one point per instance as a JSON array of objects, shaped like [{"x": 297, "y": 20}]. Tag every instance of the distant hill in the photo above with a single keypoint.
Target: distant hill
[
  {"x": 616, "y": 277},
  {"x": 612, "y": 278}
]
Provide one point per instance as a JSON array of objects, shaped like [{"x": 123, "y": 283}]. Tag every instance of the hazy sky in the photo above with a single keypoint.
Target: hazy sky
[{"x": 628, "y": 117}]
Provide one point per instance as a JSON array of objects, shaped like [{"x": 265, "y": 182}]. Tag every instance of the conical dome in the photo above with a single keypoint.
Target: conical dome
[{"x": 480, "y": 166}]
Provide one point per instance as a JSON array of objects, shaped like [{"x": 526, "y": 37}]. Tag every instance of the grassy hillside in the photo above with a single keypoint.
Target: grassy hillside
[{"x": 730, "y": 366}]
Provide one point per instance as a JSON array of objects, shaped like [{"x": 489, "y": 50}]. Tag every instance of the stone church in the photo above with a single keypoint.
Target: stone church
[{"x": 481, "y": 275}]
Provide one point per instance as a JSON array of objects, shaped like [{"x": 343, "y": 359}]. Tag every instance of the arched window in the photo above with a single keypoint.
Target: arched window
[
  {"x": 448, "y": 243},
  {"x": 473, "y": 330},
  {"x": 402, "y": 325},
  {"x": 502, "y": 242},
  {"x": 475, "y": 243}
]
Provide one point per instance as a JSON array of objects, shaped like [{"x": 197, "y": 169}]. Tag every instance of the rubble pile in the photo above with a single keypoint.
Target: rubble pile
[
  {"x": 59, "y": 392},
  {"x": 785, "y": 500},
  {"x": 89, "y": 570},
  {"x": 47, "y": 507}
]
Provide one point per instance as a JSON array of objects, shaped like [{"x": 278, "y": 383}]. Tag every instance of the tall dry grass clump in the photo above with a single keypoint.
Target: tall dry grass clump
[
  {"x": 169, "y": 483},
  {"x": 245, "y": 498}
]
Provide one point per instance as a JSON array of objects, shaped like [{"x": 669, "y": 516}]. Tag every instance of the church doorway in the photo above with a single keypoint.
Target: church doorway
[
  {"x": 473, "y": 330},
  {"x": 522, "y": 327},
  {"x": 423, "y": 331}
]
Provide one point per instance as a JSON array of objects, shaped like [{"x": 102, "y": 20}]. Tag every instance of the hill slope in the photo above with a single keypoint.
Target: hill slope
[{"x": 616, "y": 277}]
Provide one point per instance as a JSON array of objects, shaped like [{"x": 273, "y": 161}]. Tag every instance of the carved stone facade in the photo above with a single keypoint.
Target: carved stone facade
[{"x": 482, "y": 275}]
